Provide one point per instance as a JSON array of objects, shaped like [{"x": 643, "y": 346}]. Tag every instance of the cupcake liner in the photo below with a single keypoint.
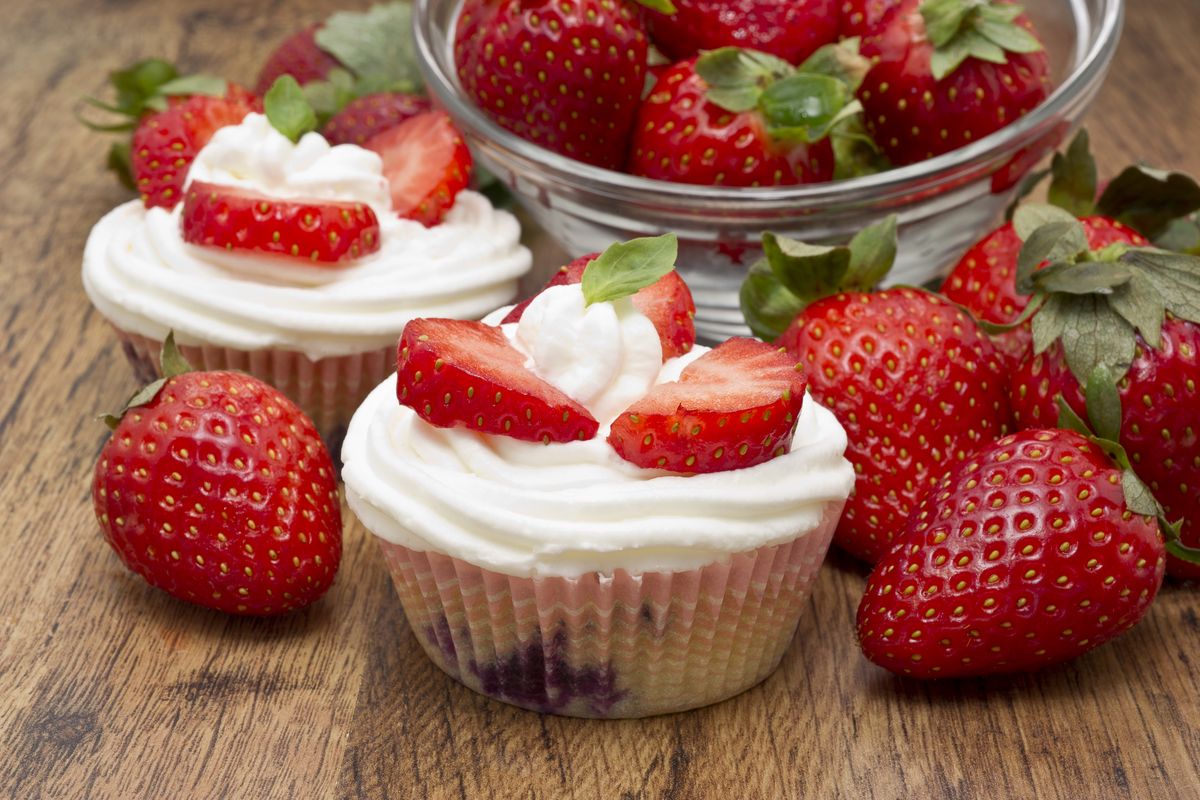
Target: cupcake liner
[
  {"x": 617, "y": 644},
  {"x": 328, "y": 390}
]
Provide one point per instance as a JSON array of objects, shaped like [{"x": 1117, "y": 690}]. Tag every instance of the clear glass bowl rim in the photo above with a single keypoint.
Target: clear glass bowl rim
[{"x": 880, "y": 188}]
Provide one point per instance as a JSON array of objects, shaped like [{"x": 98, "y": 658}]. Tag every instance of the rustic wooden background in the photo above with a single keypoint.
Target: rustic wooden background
[{"x": 109, "y": 689}]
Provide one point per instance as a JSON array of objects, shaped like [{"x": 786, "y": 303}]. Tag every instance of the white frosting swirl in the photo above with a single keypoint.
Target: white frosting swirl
[
  {"x": 525, "y": 508},
  {"x": 142, "y": 276}
]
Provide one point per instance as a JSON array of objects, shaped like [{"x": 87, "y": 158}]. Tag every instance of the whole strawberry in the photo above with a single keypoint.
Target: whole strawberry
[
  {"x": 947, "y": 73},
  {"x": 217, "y": 489},
  {"x": 564, "y": 74},
  {"x": 298, "y": 55},
  {"x": 914, "y": 381},
  {"x": 738, "y": 117},
  {"x": 1023, "y": 556},
  {"x": 165, "y": 143},
  {"x": 1136, "y": 204},
  {"x": 1127, "y": 320},
  {"x": 363, "y": 117},
  {"x": 792, "y": 31}
]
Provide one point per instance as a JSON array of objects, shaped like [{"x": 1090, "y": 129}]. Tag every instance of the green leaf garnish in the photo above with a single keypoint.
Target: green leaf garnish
[
  {"x": 376, "y": 45},
  {"x": 626, "y": 267},
  {"x": 194, "y": 84},
  {"x": 288, "y": 110}
]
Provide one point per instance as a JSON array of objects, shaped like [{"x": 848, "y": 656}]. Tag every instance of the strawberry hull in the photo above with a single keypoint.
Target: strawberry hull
[{"x": 611, "y": 645}]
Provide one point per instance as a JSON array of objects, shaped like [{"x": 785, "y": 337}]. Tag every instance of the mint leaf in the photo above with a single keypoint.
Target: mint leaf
[
  {"x": 376, "y": 45},
  {"x": 287, "y": 108},
  {"x": 626, "y": 267}
]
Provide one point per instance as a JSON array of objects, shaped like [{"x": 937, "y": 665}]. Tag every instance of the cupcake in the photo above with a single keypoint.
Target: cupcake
[
  {"x": 319, "y": 325},
  {"x": 582, "y": 513}
]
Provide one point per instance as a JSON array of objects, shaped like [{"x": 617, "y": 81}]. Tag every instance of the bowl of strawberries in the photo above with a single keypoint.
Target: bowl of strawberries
[{"x": 719, "y": 119}]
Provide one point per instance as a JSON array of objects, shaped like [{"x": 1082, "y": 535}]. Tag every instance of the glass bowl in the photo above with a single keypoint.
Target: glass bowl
[{"x": 944, "y": 204}]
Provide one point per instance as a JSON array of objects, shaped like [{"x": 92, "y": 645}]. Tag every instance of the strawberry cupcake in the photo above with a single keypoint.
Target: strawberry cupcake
[
  {"x": 585, "y": 514},
  {"x": 299, "y": 261}
]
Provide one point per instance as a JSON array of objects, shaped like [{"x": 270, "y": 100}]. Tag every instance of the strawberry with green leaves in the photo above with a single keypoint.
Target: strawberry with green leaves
[
  {"x": 1027, "y": 554},
  {"x": 216, "y": 488},
  {"x": 566, "y": 75},
  {"x": 792, "y": 31},
  {"x": 914, "y": 381},
  {"x": 736, "y": 117},
  {"x": 946, "y": 73},
  {"x": 1136, "y": 204},
  {"x": 1133, "y": 313}
]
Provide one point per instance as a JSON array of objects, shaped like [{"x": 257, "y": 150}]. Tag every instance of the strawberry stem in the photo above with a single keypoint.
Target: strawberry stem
[{"x": 171, "y": 362}]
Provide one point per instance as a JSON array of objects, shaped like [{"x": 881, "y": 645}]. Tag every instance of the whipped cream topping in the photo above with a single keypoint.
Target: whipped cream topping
[
  {"x": 524, "y": 508},
  {"x": 145, "y": 279}
]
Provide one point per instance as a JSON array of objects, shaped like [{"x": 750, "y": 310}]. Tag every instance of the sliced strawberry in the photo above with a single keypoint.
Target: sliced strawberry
[
  {"x": 323, "y": 231},
  {"x": 667, "y": 302},
  {"x": 427, "y": 164},
  {"x": 460, "y": 373},
  {"x": 165, "y": 143},
  {"x": 733, "y": 407},
  {"x": 364, "y": 117}
]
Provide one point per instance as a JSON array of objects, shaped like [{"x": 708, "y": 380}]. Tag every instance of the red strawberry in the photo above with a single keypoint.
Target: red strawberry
[
  {"x": 984, "y": 280},
  {"x": 918, "y": 388},
  {"x": 1160, "y": 396},
  {"x": 733, "y": 407},
  {"x": 298, "y": 56},
  {"x": 667, "y": 302},
  {"x": 1024, "y": 556},
  {"x": 217, "y": 489},
  {"x": 457, "y": 373},
  {"x": 564, "y": 74},
  {"x": 935, "y": 86},
  {"x": 363, "y": 117},
  {"x": 166, "y": 142},
  {"x": 322, "y": 231},
  {"x": 427, "y": 164},
  {"x": 791, "y": 30},
  {"x": 683, "y": 135}
]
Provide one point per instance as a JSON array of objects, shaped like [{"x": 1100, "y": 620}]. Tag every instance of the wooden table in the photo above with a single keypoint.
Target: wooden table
[{"x": 111, "y": 689}]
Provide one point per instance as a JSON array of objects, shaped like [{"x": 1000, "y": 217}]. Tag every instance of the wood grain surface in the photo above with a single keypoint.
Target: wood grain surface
[{"x": 109, "y": 689}]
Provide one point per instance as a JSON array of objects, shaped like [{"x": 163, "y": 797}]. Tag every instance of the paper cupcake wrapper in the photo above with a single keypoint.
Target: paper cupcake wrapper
[
  {"x": 328, "y": 390},
  {"x": 611, "y": 645}
]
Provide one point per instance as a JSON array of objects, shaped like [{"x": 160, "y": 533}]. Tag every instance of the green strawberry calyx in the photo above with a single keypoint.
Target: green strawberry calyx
[
  {"x": 1103, "y": 404},
  {"x": 626, "y": 267},
  {"x": 984, "y": 29},
  {"x": 792, "y": 274},
  {"x": 799, "y": 104},
  {"x": 171, "y": 362},
  {"x": 287, "y": 108},
  {"x": 1097, "y": 303},
  {"x": 141, "y": 89},
  {"x": 1158, "y": 204}
]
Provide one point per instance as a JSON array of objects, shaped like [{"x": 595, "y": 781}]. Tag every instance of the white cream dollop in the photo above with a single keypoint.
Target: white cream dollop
[
  {"x": 145, "y": 279},
  {"x": 605, "y": 355},
  {"x": 524, "y": 508}
]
